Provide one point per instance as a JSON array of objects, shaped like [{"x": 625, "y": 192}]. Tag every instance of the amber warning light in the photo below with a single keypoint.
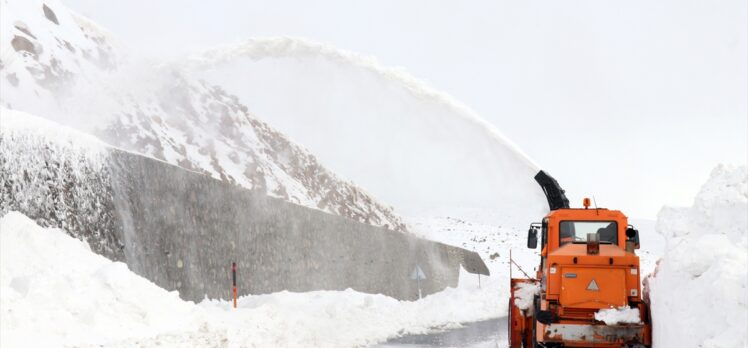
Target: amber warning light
[{"x": 586, "y": 203}]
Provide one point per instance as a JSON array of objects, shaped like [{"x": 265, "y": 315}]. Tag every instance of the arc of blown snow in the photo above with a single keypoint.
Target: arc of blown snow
[{"x": 264, "y": 48}]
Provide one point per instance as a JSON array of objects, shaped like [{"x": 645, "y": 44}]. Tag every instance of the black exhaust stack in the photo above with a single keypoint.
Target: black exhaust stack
[{"x": 553, "y": 191}]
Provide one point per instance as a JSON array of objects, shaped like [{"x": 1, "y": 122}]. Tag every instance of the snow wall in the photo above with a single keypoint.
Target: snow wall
[
  {"x": 698, "y": 292},
  {"x": 182, "y": 229}
]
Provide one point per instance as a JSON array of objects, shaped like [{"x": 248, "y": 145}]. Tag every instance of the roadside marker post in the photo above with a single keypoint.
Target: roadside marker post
[{"x": 233, "y": 278}]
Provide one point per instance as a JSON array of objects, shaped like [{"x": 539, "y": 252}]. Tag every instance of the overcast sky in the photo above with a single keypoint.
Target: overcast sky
[{"x": 631, "y": 101}]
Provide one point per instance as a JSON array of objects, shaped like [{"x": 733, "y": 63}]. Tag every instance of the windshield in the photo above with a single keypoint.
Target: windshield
[{"x": 576, "y": 231}]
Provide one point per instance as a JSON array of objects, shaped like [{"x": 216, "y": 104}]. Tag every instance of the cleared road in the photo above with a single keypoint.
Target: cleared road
[{"x": 481, "y": 334}]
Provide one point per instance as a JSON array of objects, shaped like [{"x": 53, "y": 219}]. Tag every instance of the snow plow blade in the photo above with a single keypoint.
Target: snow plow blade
[
  {"x": 575, "y": 335},
  {"x": 520, "y": 321}
]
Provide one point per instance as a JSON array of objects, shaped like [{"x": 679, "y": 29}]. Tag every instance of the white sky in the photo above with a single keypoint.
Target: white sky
[{"x": 631, "y": 101}]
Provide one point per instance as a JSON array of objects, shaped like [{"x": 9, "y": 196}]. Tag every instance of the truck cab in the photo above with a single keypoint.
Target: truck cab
[
  {"x": 584, "y": 261},
  {"x": 587, "y": 264}
]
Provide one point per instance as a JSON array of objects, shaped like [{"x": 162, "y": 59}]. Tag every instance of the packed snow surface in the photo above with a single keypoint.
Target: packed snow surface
[
  {"x": 620, "y": 315},
  {"x": 699, "y": 294},
  {"x": 55, "y": 290}
]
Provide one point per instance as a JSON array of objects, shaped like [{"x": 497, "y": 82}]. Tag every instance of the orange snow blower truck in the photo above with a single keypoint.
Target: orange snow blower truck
[{"x": 587, "y": 264}]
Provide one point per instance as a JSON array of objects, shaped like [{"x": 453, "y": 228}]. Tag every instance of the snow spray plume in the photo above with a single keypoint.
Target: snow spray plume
[
  {"x": 258, "y": 49},
  {"x": 412, "y": 146}
]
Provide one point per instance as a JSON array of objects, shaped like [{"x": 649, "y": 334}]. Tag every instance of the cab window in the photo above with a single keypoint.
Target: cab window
[{"x": 576, "y": 231}]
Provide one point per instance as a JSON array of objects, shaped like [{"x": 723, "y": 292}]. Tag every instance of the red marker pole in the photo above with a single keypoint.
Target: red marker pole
[{"x": 233, "y": 277}]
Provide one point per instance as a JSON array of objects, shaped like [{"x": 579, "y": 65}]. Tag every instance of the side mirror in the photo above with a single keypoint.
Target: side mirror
[
  {"x": 532, "y": 238},
  {"x": 633, "y": 235}
]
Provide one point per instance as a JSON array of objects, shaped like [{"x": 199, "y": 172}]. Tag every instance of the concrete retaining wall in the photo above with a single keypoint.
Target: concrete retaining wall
[{"x": 182, "y": 230}]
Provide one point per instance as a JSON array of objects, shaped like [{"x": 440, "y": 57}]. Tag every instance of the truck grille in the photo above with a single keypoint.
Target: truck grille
[{"x": 586, "y": 314}]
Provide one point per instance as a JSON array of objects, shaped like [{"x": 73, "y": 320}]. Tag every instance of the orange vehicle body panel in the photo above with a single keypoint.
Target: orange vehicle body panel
[{"x": 611, "y": 284}]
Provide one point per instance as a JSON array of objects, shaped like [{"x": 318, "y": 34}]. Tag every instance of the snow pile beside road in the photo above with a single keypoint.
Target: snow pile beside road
[
  {"x": 55, "y": 292},
  {"x": 346, "y": 318},
  {"x": 698, "y": 294},
  {"x": 620, "y": 315}
]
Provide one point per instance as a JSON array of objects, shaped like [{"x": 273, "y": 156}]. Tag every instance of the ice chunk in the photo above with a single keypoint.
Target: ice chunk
[{"x": 620, "y": 315}]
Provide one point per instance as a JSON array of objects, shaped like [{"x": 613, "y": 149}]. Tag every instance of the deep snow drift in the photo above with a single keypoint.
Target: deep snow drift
[
  {"x": 415, "y": 147},
  {"x": 54, "y": 290},
  {"x": 699, "y": 295}
]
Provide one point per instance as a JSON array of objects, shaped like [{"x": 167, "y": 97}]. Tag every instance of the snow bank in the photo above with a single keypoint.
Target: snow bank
[
  {"x": 620, "y": 315},
  {"x": 347, "y": 318},
  {"x": 699, "y": 293},
  {"x": 55, "y": 290}
]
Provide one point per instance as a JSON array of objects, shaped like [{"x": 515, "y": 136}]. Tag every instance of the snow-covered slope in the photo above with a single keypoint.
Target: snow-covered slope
[
  {"x": 44, "y": 48},
  {"x": 55, "y": 292},
  {"x": 414, "y": 146},
  {"x": 700, "y": 291},
  {"x": 61, "y": 66}
]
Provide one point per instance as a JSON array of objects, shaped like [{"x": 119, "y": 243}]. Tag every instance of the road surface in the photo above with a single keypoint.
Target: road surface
[{"x": 481, "y": 334}]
